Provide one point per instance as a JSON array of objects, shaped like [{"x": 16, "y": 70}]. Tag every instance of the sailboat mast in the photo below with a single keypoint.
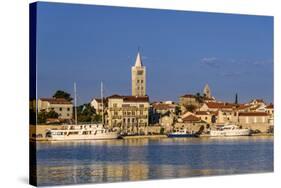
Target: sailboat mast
[
  {"x": 75, "y": 103},
  {"x": 102, "y": 117}
]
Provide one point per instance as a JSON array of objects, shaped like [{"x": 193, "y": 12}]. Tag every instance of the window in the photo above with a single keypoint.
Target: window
[
  {"x": 115, "y": 105},
  {"x": 128, "y": 120},
  {"x": 206, "y": 118},
  {"x": 141, "y": 81},
  {"x": 67, "y": 114},
  {"x": 115, "y": 113},
  {"x": 139, "y": 72},
  {"x": 60, "y": 109},
  {"x": 68, "y": 109},
  {"x": 138, "y": 81}
]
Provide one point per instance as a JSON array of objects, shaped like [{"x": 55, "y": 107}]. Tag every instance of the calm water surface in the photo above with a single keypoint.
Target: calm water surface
[{"x": 143, "y": 159}]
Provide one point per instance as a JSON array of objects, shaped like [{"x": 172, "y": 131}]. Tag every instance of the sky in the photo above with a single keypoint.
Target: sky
[{"x": 182, "y": 51}]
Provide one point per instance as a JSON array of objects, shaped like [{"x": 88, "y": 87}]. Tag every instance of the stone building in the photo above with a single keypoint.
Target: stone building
[
  {"x": 60, "y": 105},
  {"x": 253, "y": 117},
  {"x": 138, "y": 78},
  {"x": 128, "y": 113}
]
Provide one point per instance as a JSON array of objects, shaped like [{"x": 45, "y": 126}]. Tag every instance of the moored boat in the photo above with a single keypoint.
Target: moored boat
[
  {"x": 229, "y": 130},
  {"x": 81, "y": 132},
  {"x": 182, "y": 133}
]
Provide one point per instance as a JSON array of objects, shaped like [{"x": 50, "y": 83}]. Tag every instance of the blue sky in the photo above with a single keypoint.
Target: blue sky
[{"x": 181, "y": 50}]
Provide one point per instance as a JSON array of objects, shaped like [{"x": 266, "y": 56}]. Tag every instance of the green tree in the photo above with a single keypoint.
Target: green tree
[
  {"x": 86, "y": 113},
  {"x": 62, "y": 94},
  {"x": 199, "y": 98},
  {"x": 52, "y": 114},
  {"x": 43, "y": 116}
]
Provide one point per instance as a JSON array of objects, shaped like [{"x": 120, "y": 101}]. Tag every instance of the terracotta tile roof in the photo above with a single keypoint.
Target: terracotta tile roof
[
  {"x": 163, "y": 106},
  {"x": 136, "y": 99},
  {"x": 219, "y": 105},
  {"x": 130, "y": 98},
  {"x": 56, "y": 100},
  {"x": 191, "y": 118},
  {"x": 202, "y": 113},
  {"x": 243, "y": 106},
  {"x": 253, "y": 114},
  {"x": 115, "y": 97}
]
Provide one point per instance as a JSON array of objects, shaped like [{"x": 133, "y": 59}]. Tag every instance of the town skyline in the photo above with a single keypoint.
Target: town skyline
[{"x": 238, "y": 60}]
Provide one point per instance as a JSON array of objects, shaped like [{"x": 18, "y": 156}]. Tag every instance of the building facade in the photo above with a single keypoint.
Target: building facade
[
  {"x": 60, "y": 105},
  {"x": 128, "y": 113},
  {"x": 138, "y": 78},
  {"x": 99, "y": 105}
]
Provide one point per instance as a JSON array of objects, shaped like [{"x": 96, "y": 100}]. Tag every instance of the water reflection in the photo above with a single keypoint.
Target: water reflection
[{"x": 141, "y": 159}]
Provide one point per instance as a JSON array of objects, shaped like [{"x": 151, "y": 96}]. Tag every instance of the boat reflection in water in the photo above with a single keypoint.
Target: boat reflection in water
[{"x": 142, "y": 159}]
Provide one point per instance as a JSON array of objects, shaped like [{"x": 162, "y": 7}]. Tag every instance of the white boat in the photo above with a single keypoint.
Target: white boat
[
  {"x": 181, "y": 134},
  {"x": 229, "y": 130},
  {"x": 81, "y": 132}
]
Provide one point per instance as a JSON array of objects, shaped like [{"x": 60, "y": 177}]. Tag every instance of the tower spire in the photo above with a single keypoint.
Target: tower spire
[{"x": 138, "y": 60}]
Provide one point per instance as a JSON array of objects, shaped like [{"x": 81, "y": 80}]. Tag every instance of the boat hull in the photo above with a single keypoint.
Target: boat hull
[
  {"x": 83, "y": 137},
  {"x": 238, "y": 132},
  {"x": 181, "y": 135}
]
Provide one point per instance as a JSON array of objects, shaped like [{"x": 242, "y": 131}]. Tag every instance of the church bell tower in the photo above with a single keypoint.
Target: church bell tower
[{"x": 138, "y": 78}]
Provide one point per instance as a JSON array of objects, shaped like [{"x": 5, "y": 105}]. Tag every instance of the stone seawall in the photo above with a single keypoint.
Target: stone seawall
[{"x": 40, "y": 130}]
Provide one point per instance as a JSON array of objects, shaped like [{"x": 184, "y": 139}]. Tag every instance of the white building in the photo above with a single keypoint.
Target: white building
[
  {"x": 60, "y": 105},
  {"x": 99, "y": 105}
]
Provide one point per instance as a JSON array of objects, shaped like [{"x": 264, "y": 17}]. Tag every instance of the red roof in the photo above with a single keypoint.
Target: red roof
[
  {"x": 56, "y": 100},
  {"x": 253, "y": 114},
  {"x": 243, "y": 106},
  {"x": 202, "y": 113},
  {"x": 130, "y": 98},
  {"x": 163, "y": 106},
  {"x": 191, "y": 118},
  {"x": 220, "y": 105}
]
